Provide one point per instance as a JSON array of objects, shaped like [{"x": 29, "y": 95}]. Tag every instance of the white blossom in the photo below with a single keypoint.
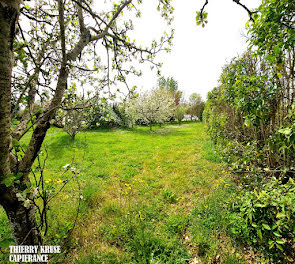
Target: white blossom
[
  {"x": 66, "y": 166},
  {"x": 155, "y": 106},
  {"x": 21, "y": 196},
  {"x": 34, "y": 191},
  {"x": 27, "y": 203}
]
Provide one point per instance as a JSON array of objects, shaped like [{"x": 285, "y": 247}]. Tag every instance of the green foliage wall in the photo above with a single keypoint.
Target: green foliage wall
[
  {"x": 250, "y": 116},
  {"x": 251, "y": 112}
]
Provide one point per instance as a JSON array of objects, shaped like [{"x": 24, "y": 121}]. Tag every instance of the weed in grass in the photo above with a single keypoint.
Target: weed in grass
[
  {"x": 151, "y": 247},
  {"x": 89, "y": 194},
  {"x": 102, "y": 174},
  {"x": 129, "y": 172},
  {"x": 104, "y": 258},
  {"x": 231, "y": 258},
  {"x": 211, "y": 152},
  {"x": 90, "y": 259},
  {"x": 111, "y": 209},
  {"x": 176, "y": 224},
  {"x": 169, "y": 196},
  {"x": 136, "y": 230}
]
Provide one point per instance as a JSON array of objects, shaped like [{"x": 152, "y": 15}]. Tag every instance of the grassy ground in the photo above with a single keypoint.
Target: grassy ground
[{"x": 145, "y": 197}]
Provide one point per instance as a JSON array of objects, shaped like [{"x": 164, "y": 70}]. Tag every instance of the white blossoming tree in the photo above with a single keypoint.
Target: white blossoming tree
[
  {"x": 131, "y": 112},
  {"x": 155, "y": 106}
]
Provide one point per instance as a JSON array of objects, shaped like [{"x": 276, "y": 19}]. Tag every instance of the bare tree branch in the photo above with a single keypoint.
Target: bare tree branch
[
  {"x": 250, "y": 13},
  {"x": 202, "y": 9}
]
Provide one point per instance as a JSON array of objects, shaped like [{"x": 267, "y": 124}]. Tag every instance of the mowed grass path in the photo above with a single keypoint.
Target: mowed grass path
[{"x": 146, "y": 196}]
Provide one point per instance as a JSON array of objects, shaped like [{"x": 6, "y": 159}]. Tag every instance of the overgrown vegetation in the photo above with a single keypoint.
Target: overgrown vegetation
[{"x": 250, "y": 117}]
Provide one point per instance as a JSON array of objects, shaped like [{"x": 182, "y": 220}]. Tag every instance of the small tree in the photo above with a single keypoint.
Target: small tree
[
  {"x": 101, "y": 113},
  {"x": 179, "y": 112},
  {"x": 73, "y": 115},
  {"x": 131, "y": 112},
  {"x": 196, "y": 106},
  {"x": 155, "y": 106},
  {"x": 74, "y": 122}
]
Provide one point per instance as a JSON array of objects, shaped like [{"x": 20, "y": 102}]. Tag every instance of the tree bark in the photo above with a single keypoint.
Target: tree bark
[
  {"x": 8, "y": 16},
  {"x": 21, "y": 128},
  {"x": 44, "y": 123},
  {"x": 21, "y": 219}
]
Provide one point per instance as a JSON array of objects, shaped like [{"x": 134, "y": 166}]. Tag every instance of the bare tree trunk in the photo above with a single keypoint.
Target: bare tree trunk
[{"x": 151, "y": 126}]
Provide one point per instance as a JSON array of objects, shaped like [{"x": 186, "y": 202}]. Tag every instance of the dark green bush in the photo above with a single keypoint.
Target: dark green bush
[{"x": 266, "y": 219}]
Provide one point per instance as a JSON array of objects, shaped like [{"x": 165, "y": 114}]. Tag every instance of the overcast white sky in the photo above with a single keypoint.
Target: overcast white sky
[{"x": 198, "y": 54}]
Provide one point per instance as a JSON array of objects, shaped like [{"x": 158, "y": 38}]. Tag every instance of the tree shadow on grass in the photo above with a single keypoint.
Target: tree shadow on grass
[
  {"x": 169, "y": 128},
  {"x": 157, "y": 131},
  {"x": 102, "y": 129},
  {"x": 64, "y": 143}
]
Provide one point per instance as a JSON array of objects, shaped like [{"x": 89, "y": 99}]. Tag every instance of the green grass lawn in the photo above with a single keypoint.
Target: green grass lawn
[{"x": 145, "y": 197}]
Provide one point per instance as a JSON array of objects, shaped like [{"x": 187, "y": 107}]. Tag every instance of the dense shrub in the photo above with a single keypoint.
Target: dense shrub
[
  {"x": 251, "y": 118},
  {"x": 266, "y": 218},
  {"x": 101, "y": 113},
  {"x": 253, "y": 106}
]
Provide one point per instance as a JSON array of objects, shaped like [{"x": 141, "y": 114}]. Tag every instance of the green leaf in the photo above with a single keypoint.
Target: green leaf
[
  {"x": 6, "y": 242},
  {"x": 281, "y": 215},
  {"x": 11, "y": 178},
  {"x": 260, "y": 205},
  {"x": 15, "y": 143},
  {"x": 279, "y": 75},
  {"x": 279, "y": 247},
  {"x": 259, "y": 234},
  {"x": 277, "y": 49},
  {"x": 271, "y": 243},
  {"x": 285, "y": 131},
  {"x": 265, "y": 226},
  {"x": 8, "y": 181},
  {"x": 280, "y": 241},
  {"x": 18, "y": 175},
  {"x": 254, "y": 225}
]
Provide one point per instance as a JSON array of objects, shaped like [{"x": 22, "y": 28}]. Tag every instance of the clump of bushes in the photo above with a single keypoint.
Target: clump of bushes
[
  {"x": 251, "y": 118},
  {"x": 265, "y": 218}
]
